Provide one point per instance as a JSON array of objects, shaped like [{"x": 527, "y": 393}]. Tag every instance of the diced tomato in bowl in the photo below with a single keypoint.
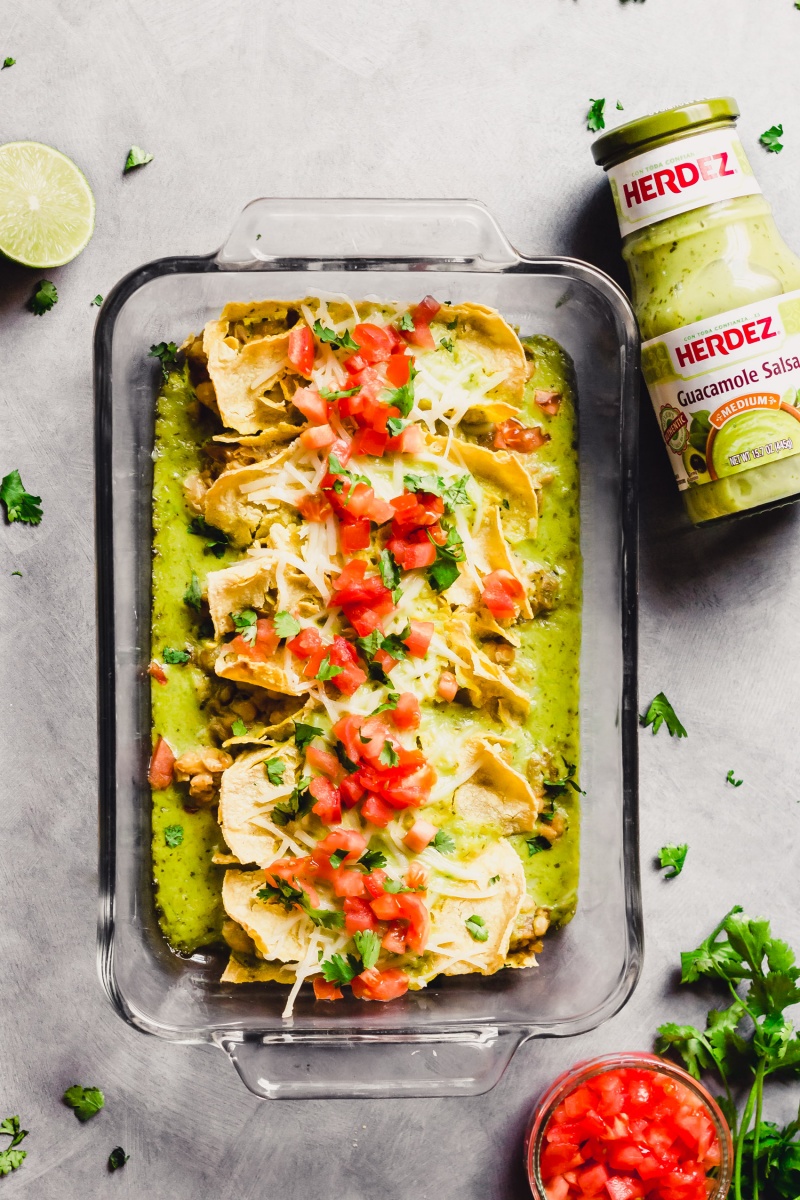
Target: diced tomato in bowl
[{"x": 627, "y": 1127}]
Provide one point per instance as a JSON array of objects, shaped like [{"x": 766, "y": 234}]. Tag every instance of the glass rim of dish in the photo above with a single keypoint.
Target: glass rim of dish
[{"x": 568, "y": 1081}]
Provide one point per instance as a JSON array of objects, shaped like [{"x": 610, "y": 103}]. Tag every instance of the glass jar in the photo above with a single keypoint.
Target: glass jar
[
  {"x": 577, "y": 1075},
  {"x": 717, "y": 294}
]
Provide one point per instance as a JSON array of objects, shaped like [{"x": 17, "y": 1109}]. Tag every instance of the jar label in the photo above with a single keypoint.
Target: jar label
[
  {"x": 726, "y": 390},
  {"x": 683, "y": 175}
]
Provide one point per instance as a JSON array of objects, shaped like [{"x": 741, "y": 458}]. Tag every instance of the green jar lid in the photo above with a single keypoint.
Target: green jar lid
[{"x": 633, "y": 137}]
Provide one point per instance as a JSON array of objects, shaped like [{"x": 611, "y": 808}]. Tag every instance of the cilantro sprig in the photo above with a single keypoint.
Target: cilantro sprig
[
  {"x": 595, "y": 118},
  {"x": 297, "y": 805},
  {"x": 246, "y": 625},
  {"x": 86, "y": 1102},
  {"x": 673, "y": 857},
  {"x": 303, "y": 734},
  {"x": 137, "y": 157},
  {"x": 444, "y": 571},
  {"x": 771, "y": 139},
  {"x": 476, "y": 927},
  {"x": 166, "y": 353},
  {"x": 10, "y": 1157},
  {"x": 661, "y": 712},
  {"x": 286, "y": 626},
  {"x": 343, "y": 341},
  {"x": 216, "y": 539},
  {"x": 43, "y": 298},
  {"x": 19, "y": 504}
]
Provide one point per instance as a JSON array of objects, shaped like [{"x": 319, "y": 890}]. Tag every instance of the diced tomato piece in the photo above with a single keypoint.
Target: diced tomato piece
[
  {"x": 342, "y": 652},
  {"x": 502, "y": 593},
  {"x": 348, "y": 883},
  {"x": 621, "y": 1187},
  {"x": 352, "y": 575},
  {"x": 557, "y": 1188},
  {"x": 395, "y": 938},
  {"x": 579, "y": 1102},
  {"x": 375, "y": 344},
  {"x": 379, "y": 511},
  {"x": 374, "y": 882},
  {"x": 355, "y": 536},
  {"x": 311, "y": 405},
  {"x": 359, "y": 499},
  {"x": 416, "y": 877},
  {"x": 354, "y": 364},
  {"x": 420, "y": 835},
  {"x": 358, "y": 915},
  {"x": 426, "y": 310},
  {"x": 407, "y": 713},
  {"x": 419, "y": 639},
  {"x": 513, "y": 435},
  {"x": 415, "y": 910},
  {"x": 263, "y": 646},
  {"x": 363, "y": 619},
  {"x": 549, "y": 402},
  {"x": 557, "y": 1158},
  {"x": 411, "y": 440},
  {"x": 384, "y": 660},
  {"x": 398, "y": 369},
  {"x": 420, "y": 336},
  {"x": 448, "y": 685},
  {"x": 324, "y": 761},
  {"x": 161, "y": 764},
  {"x": 328, "y": 805},
  {"x": 317, "y": 437},
  {"x": 592, "y": 1179},
  {"x": 370, "y": 441},
  {"x": 342, "y": 839},
  {"x": 386, "y": 907},
  {"x": 326, "y": 991},
  {"x": 376, "y": 812},
  {"x": 306, "y": 643},
  {"x": 301, "y": 350},
  {"x": 349, "y": 680},
  {"x": 157, "y": 672},
  {"x": 314, "y": 508},
  {"x": 380, "y": 985},
  {"x": 410, "y": 555},
  {"x": 342, "y": 448}
]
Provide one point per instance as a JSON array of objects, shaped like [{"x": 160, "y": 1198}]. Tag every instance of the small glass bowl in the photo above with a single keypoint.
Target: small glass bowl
[{"x": 580, "y": 1072}]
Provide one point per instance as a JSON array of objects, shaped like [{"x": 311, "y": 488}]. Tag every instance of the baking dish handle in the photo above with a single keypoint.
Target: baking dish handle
[
  {"x": 271, "y": 231},
  {"x": 347, "y": 1066}
]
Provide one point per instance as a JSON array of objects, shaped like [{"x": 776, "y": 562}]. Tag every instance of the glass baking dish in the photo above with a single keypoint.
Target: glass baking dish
[{"x": 457, "y": 1036}]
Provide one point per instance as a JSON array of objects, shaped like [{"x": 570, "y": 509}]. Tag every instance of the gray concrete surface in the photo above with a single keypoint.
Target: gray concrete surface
[{"x": 257, "y": 97}]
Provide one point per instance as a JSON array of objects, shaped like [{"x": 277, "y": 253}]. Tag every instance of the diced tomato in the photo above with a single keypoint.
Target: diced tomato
[
  {"x": 326, "y": 991},
  {"x": 407, "y": 713},
  {"x": 370, "y": 441},
  {"x": 620, "y": 1187},
  {"x": 355, "y": 536},
  {"x": 380, "y": 985},
  {"x": 317, "y": 437},
  {"x": 557, "y": 1158},
  {"x": 380, "y": 511},
  {"x": 513, "y": 435},
  {"x": 502, "y": 593},
  {"x": 348, "y": 883},
  {"x": 374, "y": 882},
  {"x": 349, "y": 679},
  {"x": 420, "y": 336},
  {"x": 342, "y": 448},
  {"x": 157, "y": 672},
  {"x": 328, "y": 805},
  {"x": 263, "y": 646},
  {"x": 549, "y": 402},
  {"x": 579, "y": 1102},
  {"x": 306, "y": 643},
  {"x": 410, "y": 555},
  {"x": 557, "y": 1188},
  {"x": 161, "y": 764},
  {"x": 448, "y": 685},
  {"x": 419, "y": 638},
  {"x": 354, "y": 364},
  {"x": 342, "y": 839},
  {"x": 351, "y": 791},
  {"x": 358, "y": 915},
  {"x": 415, "y": 910},
  {"x": 314, "y": 508},
  {"x": 395, "y": 938},
  {"x": 386, "y": 907},
  {"x": 352, "y": 575},
  {"x": 301, "y": 350},
  {"x": 420, "y": 835},
  {"x": 311, "y": 405},
  {"x": 375, "y": 344},
  {"x": 416, "y": 877},
  {"x": 324, "y": 761},
  {"x": 384, "y": 660},
  {"x": 398, "y": 369},
  {"x": 411, "y": 440},
  {"x": 426, "y": 310}
]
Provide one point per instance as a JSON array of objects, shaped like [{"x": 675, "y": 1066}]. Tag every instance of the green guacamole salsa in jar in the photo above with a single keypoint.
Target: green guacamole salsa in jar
[{"x": 717, "y": 294}]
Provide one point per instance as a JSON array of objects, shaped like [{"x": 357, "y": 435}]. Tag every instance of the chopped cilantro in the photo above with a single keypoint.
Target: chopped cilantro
[
  {"x": 732, "y": 780},
  {"x": 246, "y": 625},
  {"x": 403, "y": 397},
  {"x": 281, "y": 891},
  {"x": 619, "y": 107},
  {"x": 193, "y": 597},
  {"x": 327, "y": 669},
  {"x": 368, "y": 944},
  {"x": 275, "y": 768},
  {"x": 8, "y": 62},
  {"x": 389, "y": 704},
  {"x": 11, "y": 1126},
  {"x": 286, "y": 626},
  {"x": 173, "y": 835},
  {"x": 595, "y": 121},
  {"x": 337, "y": 858},
  {"x": 565, "y": 781},
  {"x": 388, "y": 756},
  {"x": 19, "y": 504},
  {"x": 661, "y": 711},
  {"x": 537, "y": 844},
  {"x": 295, "y": 806},
  {"x": 394, "y": 886},
  {"x": 372, "y": 860},
  {"x": 390, "y": 573},
  {"x": 136, "y": 158},
  {"x": 370, "y": 644},
  {"x": 770, "y": 139},
  {"x": 11, "y": 1158},
  {"x": 238, "y": 728},
  {"x": 444, "y": 842},
  {"x": 326, "y": 395},
  {"x": 44, "y": 297},
  {"x": 303, "y": 734},
  {"x": 166, "y": 353},
  {"x": 444, "y": 571},
  {"x": 326, "y": 918},
  {"x": 395, "y": 426},
  {"x": 346, "y": 762},
  {"x": 447, "y": 344},
  {"x": 175, "y": 656},
  {"x": 98, "y": 300},
  {"x": 494, "y": 879},
  {"x": 342, "y": 341},
  {"x": 673, "y": 857},
  {"x": 85, "y": 1101},
  {"x": 477, "y": 928},
  {"x": 117, "y": 1158},
  {"x": 217, "y": 540},
  {"x": 340, "y": 969},
  {"x": 406, "y": 322},
  {"x": 13, "y": 573}
]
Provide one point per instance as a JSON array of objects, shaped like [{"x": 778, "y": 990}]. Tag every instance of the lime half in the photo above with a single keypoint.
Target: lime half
[{"x": 46, "y": 205}]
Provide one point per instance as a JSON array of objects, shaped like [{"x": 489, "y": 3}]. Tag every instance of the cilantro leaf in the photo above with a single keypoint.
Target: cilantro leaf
[
  {"x": 117, "y": 1158},
  {"x": 456, "y": 492},
  {"x": 732, "y": 780},
  {"x": 372, "y": 860},
  {"x": 388, "y": 756},
  {"x": 444, "y": 842},
  {"x": 286, "y": 626},
  {"x": 327, "y": 669},
  {"x": 619, "y": 107},
  {"x": 175, "y": 656},
  {"x": 444, "y": 570},
  {"x": 337, "y": 858},
  {"x": 673, "y": 857},
  {"x": 370, "y": 643},
  {"x": 389, "y": 704},
  {"x": 326, "y": 395},
  {"x": 537, "y": 843},
  {"x": 368, "y": 945},
  {"x": 325, "y": 918},
  {"x": 8, "y": 62},
  {"x": 246, "y": 625},
  {"x": 303, "y": 734},
  {"x": 98, "y": 300},
  {"x": 86, "y": 1101},
  {"x": 390, "y": 572},
  {"x": 173, "y": 835},
  {"x": 297, "y": 805},
  {"x": 275, "y": 768},
  {"x": 688, "y": 1042},
  {"x": 447, "y": 344},
  {"x": 494, "y": 879},
  {"x": 342, "y": 341},
  {"x": 403, "y": 397},
  {"x": 406, "y": 322},
  {"x": 341, "y": 754},
  {"x": 566, "y": 781},
  {"x": 11, "y": 1159},
  {"x": 238, "y": 728},
  {"x": 19, "y": 504},
  {"x": 395, "y": 426},
  {"x": 476, "y": 927},
  {"x": 11, "y": 1127},
  {"x": 340, "y": 968},
  {"x": 193, "y": 597},
  {"x": 166, "y": 352},
  {"x": 43, "y": 298},
  {"x": 395, "y": 886},
  {"x": 770, "y": 139},
  {"x": 136, "y": 158},
  {"x": 282, "y": 892},
  {"x": 217, "y": 540},
  {"x": 659, "y": 712},
  {"x": 595, "y": 120}
]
